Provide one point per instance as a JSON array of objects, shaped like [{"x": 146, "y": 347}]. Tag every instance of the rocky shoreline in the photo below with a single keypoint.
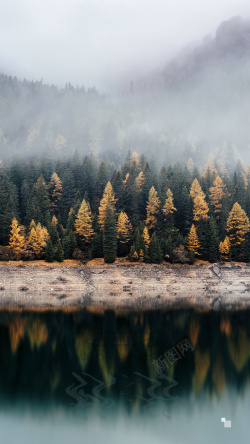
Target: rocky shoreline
[{"x": 130, "y": 286}]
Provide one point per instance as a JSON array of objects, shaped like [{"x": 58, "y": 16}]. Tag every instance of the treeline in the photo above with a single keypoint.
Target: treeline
[{"x": 86, "y": 209}]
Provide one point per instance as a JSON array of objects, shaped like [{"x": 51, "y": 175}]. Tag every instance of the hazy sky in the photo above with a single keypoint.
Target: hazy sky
[{"x": 102, "y": 42}]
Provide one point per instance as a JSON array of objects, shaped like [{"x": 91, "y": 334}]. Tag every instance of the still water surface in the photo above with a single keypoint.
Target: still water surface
[{"x": 157, "y": 376}]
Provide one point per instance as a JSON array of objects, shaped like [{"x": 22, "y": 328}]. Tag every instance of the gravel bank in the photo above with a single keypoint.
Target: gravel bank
[{"x": 135, "y": 286}]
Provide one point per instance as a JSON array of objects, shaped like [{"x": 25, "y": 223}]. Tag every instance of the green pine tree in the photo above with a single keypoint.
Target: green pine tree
[
  {"x": 59, "y": 252},
  {"x": 109, "y": 236},
  {"x": 49, "y": 252},
  {"x": 155, "y": 253}
]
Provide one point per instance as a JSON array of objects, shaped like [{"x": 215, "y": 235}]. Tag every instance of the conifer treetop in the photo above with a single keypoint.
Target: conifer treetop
[
  {"x": 238, "y": 225},
  {"x": 169, "y": 207},
  {"x": 83, "y": 223}
]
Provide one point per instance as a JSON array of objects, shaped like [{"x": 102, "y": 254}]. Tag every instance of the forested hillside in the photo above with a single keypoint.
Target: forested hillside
[
  {"x": 198, "y": 103},
  {"x": 86, "y": 208}
]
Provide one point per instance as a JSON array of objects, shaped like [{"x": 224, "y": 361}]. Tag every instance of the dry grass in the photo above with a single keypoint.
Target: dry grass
[{"x": 39, "y": 263}]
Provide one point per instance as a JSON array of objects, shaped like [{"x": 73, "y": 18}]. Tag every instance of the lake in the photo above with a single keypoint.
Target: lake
[{"x": 154, "y": 376}]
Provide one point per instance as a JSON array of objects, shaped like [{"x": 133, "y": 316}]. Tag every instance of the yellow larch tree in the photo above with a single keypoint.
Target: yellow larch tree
[
  {"x": 125, "y": 181},
  {"x": 123, "y": 228},
  {"x": 17, "y": 241},
  {"x": 152, "y": 208},
  {"x": 55, "y": 188},
  {"x": 54, "y": 221},
  {"x": 134, "y": 161},
  {"x": 83, "y": 223},
  {"x": 224, "y": 248},
  {"x": 32, "y": 225},
  {"x": 200, "y": 209},
  {"x": 139, "y": 182},
  {"x": 237, "y": 225},
  {"x": 217, "y": 193},
  {"x": 169, "y": 207},
  {"x": 196, "y": 189},
  {"x": 200, "y": 206},
  {"x": 146, "y": 238},
  {"x": 107, "y": 199},
  {"x": 38, "y": 238},
  {"x": 33, "y": 242},
  {"x": 193, "y": 241}
]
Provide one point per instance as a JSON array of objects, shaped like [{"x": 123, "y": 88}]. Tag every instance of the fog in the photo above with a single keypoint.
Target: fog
[
  {"x": 193, "y": 103},
  {"x": 102, "y": 43}
]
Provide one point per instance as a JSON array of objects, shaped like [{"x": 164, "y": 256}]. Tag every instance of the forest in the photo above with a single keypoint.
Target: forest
[{"x": 86, "y": 208}]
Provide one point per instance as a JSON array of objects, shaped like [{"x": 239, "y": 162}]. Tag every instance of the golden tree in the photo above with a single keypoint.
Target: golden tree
[
  {"x": 146, "y": 237},
  {"x": 217, "y": 193},
  {"x": 193, "y": 241},
  {"x": 200, "y": 209},
  {"x": 169, "y": 207},
  {"x": 38, "y": 238},
  {"x": 125, "y": 181},
  {"x": 17, "y": 241},
  {"x": 139, "y": 182},
  {"x": 123, "y": 228},
  {"x": 83, "y": 223},
  {"x": 32, "y": 225},
  {"x": 200, "y": 206},
  {"x": 55, "y": 188},
  {"x": 152, "y": 208},
  {"x": 196, "y": 189},
  {"x": 134, "y": 161},
  {"x": 33, "y": 242},
  {"x": 237, "y": 225},
  {"x": 224, "y": 248},
  {"x": 54, "y": 221},
  {"x": 107, "y": 199}
]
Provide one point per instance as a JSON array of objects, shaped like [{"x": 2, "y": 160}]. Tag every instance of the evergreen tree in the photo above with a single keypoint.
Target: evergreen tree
[
  {"x": 117, "y": 185},
  {"x": 155, "y": 253},
  {"x": 38, "y": 204},
  {"x": 212, "y": 241},
  {"x": 49, "y": 252},
  {"x": 97, "y": 245},
  {"x": 101, "y": 180},
  {"x": 69, "y": 244},
  {"x": 59, "y": 252},
  {"x": 109, "y": 235}
]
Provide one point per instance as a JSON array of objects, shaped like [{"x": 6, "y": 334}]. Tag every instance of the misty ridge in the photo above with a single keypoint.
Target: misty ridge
[{"x": 198, "y": 104}]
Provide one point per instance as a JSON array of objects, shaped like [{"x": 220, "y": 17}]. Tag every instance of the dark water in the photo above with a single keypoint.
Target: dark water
[{"x": 162, "y": 376}]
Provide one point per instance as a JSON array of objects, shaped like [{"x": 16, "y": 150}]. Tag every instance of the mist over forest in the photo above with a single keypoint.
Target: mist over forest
[{"x": 197, "y": 105}]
